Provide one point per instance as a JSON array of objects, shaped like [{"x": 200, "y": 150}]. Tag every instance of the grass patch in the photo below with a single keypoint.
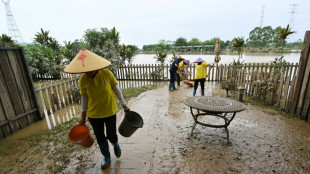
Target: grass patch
[{"x": 272, "y": 110}]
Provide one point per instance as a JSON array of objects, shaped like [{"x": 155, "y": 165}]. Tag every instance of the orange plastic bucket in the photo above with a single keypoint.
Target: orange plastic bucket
[{"x": 79, "y": 134}]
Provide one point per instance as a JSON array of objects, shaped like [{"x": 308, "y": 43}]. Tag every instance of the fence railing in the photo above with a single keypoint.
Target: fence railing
[
  {"x": 57, "y": 95},
  {"x": 272, "y": 84},
  {"x": 265, "y": 81},
  {"x": 215, "y": 72}
]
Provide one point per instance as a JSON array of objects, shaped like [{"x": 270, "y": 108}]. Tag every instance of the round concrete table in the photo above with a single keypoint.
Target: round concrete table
[{"x": 214, "y": 106}]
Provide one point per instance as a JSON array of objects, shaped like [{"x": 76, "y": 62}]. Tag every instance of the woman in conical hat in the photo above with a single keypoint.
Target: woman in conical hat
[
  {"x": 182, "y": 66},
  {"x": 97, "y": 86},
  {"x": 200, "y": 75}
]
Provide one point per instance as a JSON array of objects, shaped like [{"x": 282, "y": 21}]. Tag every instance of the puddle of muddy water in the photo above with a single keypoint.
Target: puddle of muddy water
[
  {"x": 48, "y": 122},
  {"x": 61, "y": 116}
]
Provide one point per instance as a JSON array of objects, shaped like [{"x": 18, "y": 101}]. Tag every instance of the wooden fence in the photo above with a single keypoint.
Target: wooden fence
[
  {"x": 57, "y": 95},
  {"x": 272, "y": 84},
  {"x": 216, "y": 72},
  {"x": 18, "y": 104},
  {"x": 300, "y": 100}
]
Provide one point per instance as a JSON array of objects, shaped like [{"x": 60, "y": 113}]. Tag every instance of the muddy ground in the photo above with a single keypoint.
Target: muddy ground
[{"x": 262, "y": 141}]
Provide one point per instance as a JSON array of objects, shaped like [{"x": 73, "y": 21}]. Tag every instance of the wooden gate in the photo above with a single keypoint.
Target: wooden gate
[
  {"x": 301, "y": 96},
  {"x": 18, "y": 104}
]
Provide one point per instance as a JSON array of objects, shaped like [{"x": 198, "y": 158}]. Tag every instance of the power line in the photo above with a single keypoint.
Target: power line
[{"x": 262, "y": 16}]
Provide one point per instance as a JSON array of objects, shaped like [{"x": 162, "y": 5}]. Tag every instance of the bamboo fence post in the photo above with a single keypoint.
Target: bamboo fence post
[
  {"x": 53, "y": 97},
  {"x": 303, "y": 89},
  {"x": 213, "y": 72},
  {"x": 39, "y": 98},
  {"x": 290, "y": 92},
  {"x": 285, "y": 92},
  {"x": 70, "y": 88},
  {"x": 280, "y": 91},
  {"x": 46, "y": 100},
  {"x": 64, "y": 94},
  {"x": 60, "y": 96},
  {"x": 274, "y": 89}
]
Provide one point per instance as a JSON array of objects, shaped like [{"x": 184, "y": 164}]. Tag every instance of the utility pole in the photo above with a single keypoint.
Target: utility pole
[
  {"x": 262, "y": 17},
  {"x": 291, "y": 20},
  {"x": 13, "y": 30}
]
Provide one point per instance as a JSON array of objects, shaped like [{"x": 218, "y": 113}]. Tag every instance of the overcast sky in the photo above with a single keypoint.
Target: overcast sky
[{"x": 142, "y": 22}]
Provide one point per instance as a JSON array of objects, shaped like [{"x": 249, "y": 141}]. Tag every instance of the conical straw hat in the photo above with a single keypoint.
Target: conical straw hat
[
  {"x": 181, "y": 58},
  {"x": 86, "y": 61},
  {"x": 186, "y": 62},
  {"x": 199, "y": 60}
]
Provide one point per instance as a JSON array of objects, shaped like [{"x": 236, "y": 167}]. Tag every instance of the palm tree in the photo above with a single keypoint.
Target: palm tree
[
  {"x": 238, "y": 45},
  {"x": 161, "y": 57},
  {"x": 282, "y": 35},
  {"x": 42, "y": 38}
]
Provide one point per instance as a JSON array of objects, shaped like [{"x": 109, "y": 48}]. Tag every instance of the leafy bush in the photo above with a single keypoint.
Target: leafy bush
[
  {"x": 229, "y": 85},
  {"x": 42, "y": 60}
]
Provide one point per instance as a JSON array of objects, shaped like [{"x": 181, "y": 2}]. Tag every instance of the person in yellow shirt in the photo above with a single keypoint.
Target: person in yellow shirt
[
  {"x": 97, "y": 88},
  {"x": 200, "y": 75},
  {"x": 181, "y": 66}
]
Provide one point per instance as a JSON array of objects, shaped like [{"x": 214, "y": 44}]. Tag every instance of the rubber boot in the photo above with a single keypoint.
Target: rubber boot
[
  {"x": 170, "y": 87},
  {"x": 202, "y": 92},
  {"x": 117, "y": 150},
  {"x": 194, "y": 92},
  {"x": 104, "y": 148},
  {"x": 173, "y": 86}
]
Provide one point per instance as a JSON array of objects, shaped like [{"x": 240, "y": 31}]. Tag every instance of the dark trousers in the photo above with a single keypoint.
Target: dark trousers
[
  {"x": 178, "y": 78},
  {"x": 202, "y": 84},
  {"x": 173, "y": 75},
  {"x": 99, "y": 124}
]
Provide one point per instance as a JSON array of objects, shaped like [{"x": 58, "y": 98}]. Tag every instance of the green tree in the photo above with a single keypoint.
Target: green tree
[
  {"x": 42, "y": 38},
  {"x": 148, "y": 47},
  {"x": 55, "y": 59},
  {"x": 181, "y": 42},
  {"x": 261, "y": 37},
  {"x": 7, "y": 39},
  {"x": 41, "y": 60},
  {"x": 70, "y": 50},
  {"x": 238, "y": 44},
  {"x": 161, "y": 57},
  {"x": 162, "y": 45},
  {"x": 105, "y": 43},
  {"x": 133, "y": 48},
  {"x": 193, "y": 42},
  {"x": 126, "y": 54},
  {"x": 282, "y": 34}
]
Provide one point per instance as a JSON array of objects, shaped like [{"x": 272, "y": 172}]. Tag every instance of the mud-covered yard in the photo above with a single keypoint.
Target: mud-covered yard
[{"x": 262, "y": 141}]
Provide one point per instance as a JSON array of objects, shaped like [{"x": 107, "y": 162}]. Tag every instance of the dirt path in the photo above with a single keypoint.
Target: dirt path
[{"x": 261, "y": 142}]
